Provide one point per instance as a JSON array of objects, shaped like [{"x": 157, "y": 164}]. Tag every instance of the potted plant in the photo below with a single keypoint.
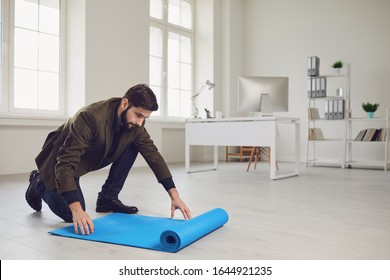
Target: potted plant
[
  {"x": 337, "y": 66},
  {"x": 370, "y": 108}
]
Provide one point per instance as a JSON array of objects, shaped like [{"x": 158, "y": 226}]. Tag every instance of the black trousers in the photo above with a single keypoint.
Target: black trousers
[{"x": 110, "y": 189}]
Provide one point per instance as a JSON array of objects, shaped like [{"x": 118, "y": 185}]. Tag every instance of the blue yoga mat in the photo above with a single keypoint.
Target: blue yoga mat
[{"x": 163, "y": 234}]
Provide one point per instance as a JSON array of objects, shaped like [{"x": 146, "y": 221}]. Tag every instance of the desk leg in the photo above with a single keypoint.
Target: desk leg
[
  {"x": 272, "y": 174},
  {"x": 297, "y": 147},
  {"x": 187, "y": 158},
  {"x": 187, "y": 150},
  {"x": 187, "y": 161},
  {"x": 215, "y": 157}
]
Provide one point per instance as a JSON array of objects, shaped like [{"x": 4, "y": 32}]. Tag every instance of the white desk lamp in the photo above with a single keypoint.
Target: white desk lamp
[{"x": 210, "y": 86}]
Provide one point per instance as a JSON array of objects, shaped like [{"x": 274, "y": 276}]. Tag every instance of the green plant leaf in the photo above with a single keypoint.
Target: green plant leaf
[
  {"x": 338, "y": 64},
  {"x": 370, "y": 107}
]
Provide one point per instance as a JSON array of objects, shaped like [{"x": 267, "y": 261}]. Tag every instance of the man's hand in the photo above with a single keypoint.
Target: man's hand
[
  {"x": 177, "y": 203},
  {"x": 81, "y": 219}
]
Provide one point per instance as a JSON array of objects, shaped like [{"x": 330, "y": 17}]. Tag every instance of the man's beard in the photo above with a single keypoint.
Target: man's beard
[{"x": 125, "y": 123}]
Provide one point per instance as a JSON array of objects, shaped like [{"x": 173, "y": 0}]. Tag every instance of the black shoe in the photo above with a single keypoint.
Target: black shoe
[
  {"x": 114, "y": 205},
  {"x": 32, "y": 197}
]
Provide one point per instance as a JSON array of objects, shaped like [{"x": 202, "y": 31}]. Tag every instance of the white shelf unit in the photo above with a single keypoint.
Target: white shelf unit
[
  {"x": 345, "y": 132},
  {"x": 383, "y": 146},
  {"x": 335, "y": 142}
]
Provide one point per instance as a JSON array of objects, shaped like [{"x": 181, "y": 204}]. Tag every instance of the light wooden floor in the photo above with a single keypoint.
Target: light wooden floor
[{"x": 325, "y": 213}]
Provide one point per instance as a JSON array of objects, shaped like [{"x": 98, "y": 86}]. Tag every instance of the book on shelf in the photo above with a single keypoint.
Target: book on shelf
[
  {"x": 360, "y": 135},
  {"x": 313, "y": 113},
  {"x": 369, "y": 134},
  {"x": 316, "y": 134},
  {"x": 372, "y": 134},
  {"x": 375, "y": 137},
  {"x": 383, "y": 134}
]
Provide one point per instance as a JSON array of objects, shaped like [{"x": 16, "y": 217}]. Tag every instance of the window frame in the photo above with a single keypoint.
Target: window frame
[
  {"x": 7, "y": 108},
  {"x": 167, "y": 27}
]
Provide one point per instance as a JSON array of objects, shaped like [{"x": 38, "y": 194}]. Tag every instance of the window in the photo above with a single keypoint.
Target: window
[
  {"x": 171, "y": 56},
  {"x": 32, "y": 70}
]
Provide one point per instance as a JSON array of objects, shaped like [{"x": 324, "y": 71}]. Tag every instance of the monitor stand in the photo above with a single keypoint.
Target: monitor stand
[{"x": 265, "y": 105}]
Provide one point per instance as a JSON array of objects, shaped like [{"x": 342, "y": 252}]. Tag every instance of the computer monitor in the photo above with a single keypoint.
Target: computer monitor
[{"x": 263, "y": 95}]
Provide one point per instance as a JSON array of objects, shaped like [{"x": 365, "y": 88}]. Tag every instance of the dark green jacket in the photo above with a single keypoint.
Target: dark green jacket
[{"x": 80, "y": 146}]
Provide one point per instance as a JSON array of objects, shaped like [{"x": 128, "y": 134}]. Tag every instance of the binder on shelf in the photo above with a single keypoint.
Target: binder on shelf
[
  {"x": 316, "y": 87},
  {"x": 340, "y": 109},
  {"x": 326, "y": 109},
  {"x": 331, "y": 109},
  {"x": 310, "y": 88},
  {"x": 322, "y": 87},
  {"x": 313, "y": 87},
  {"x": 334, "y": 109},
  {"x": 313, "y": 66}
]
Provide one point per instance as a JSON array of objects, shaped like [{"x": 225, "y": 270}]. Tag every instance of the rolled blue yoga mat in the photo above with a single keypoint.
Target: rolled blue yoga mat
[{"x": 163, "y": 234}]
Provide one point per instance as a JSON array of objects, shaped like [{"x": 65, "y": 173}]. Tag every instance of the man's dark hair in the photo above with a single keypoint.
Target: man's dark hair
[{"x": 142, "y": 96}]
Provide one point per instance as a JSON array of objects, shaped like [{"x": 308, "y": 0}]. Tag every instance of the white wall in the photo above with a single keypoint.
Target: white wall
[
  {"x": 279, "y": 35},
  {"x": 231, "y": 52},
  {"x": 18, "y": 147},
  {"x": 278, "y": 42},
  {"x": 117, "y": 47},
  {"x": 75, "y": 55}
]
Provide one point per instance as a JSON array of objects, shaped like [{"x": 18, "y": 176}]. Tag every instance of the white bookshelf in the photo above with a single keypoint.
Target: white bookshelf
[
  {"x": 344, "y": 143},
  {"x": 382, "y": 146},
  {"x": 337, "y": 141}
]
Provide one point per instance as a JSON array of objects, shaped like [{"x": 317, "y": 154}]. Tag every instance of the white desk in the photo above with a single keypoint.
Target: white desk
[{"x": 242, "y": 131}]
